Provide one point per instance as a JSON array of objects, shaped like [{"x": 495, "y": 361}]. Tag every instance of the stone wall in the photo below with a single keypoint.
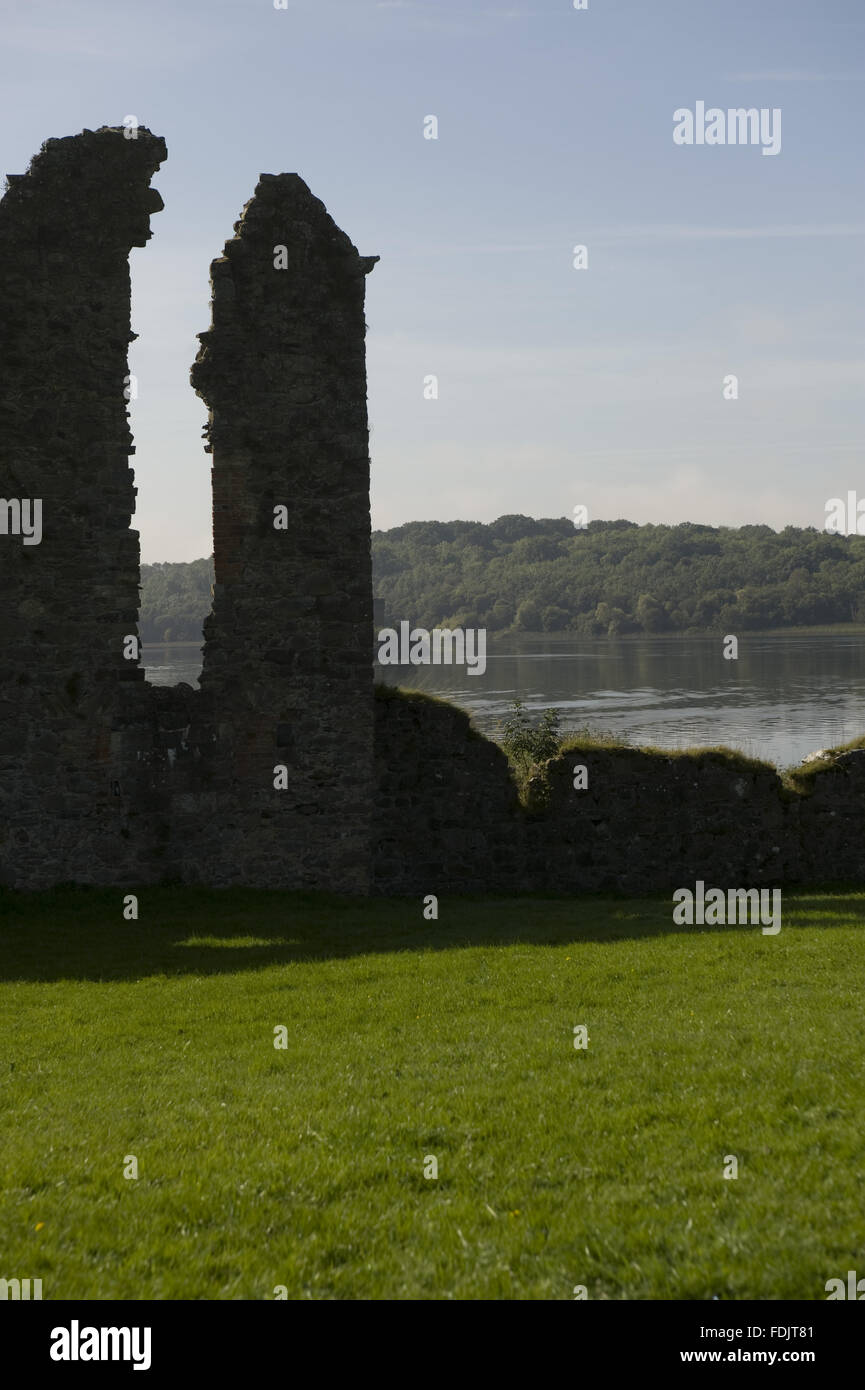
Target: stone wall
[
  {"x": 826, "y": 825},
  {"x": 68, "y": 602},
  {"x": 286, "y": 659},
  {"x": 448, "y": 818},
  {"x": 106, "y": 779},
  {"x": 647, "y": 821}
]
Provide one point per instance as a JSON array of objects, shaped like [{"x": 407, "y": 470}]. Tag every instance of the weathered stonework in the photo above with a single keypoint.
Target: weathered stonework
[
  {"x": 287, "y": 648},
  {"x": 447, "y": 818},
  {"x": 103, "y": 778},
  {"x": 66, "y": 229},
  {"x": 106, "y": 779}
]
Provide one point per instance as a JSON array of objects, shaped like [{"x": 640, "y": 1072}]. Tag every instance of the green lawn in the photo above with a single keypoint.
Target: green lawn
[{"x": 304, "y": 1167}]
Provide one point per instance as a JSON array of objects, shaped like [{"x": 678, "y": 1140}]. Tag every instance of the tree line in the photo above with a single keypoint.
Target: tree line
[{"x": 518, "y": 574}]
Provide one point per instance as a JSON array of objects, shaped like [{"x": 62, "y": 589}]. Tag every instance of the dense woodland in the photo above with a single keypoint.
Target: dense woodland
[
  {"x": 518, "y": 574},
  {"x": 175, "y": 600}
]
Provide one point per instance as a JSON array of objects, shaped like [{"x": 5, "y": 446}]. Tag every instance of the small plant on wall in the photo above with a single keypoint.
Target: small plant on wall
[{"x": 529, "y": 745}]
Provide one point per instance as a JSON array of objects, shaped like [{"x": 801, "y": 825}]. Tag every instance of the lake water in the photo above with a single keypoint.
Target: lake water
[{"x": 784, "y": 697}]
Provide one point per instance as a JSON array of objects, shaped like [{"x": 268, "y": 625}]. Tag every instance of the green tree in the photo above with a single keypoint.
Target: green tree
[
  {"x": 650, "y": 614},
  {"x": 554, "y": 619},
  {"x": 528, "y": 617}
]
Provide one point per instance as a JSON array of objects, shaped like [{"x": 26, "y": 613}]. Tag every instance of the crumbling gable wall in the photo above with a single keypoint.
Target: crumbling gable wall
[
  {"x": 70, "y": 598},
  {"x": 287, "y": 658}
]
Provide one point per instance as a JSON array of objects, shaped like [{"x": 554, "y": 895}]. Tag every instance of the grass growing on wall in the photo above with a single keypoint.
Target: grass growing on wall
[
  {"x": 303, "y": 1167},
  {"x": 531, "y": 745}
]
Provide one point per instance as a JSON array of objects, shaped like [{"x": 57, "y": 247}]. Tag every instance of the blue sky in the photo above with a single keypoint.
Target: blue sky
[{"x": 557, "y": 387}]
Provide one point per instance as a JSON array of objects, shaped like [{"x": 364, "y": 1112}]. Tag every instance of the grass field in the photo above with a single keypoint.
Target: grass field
[{"x": 303, "y": 1167}]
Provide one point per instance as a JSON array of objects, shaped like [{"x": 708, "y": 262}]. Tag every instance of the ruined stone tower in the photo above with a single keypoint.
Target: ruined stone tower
[
  {"x": 287, "y": 660},
  {"x": 70, "y": 598}
]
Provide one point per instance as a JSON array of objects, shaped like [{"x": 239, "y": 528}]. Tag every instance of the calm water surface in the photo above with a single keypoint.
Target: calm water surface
[{"x": 784, "y": 697}]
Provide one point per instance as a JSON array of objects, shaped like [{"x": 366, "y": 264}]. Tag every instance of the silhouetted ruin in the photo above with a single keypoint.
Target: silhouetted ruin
[
  {"x": 287, "y": 669},
  {"x": 286, "y": 769},
  {"x": 70, "y": 599},
  {"x": 265, "y": 776}
]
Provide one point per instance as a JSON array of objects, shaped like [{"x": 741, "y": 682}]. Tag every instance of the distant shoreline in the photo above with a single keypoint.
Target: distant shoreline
[
  {"x": 817, "y": 630},
  {"x": 559, "y": 638}
]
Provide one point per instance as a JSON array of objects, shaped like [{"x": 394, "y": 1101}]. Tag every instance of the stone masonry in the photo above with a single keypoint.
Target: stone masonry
[
  {"x": 265, "y": 776},
  {"x": 287, "y": 665},
  {"x": 287, "y": 769},
  {"x": 66, "y": 229}
]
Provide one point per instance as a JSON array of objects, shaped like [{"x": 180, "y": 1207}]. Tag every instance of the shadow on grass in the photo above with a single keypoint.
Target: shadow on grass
[{"x": 80, "y": 933}]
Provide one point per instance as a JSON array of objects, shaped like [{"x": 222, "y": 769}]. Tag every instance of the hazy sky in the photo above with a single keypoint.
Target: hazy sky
[{"x": 557, "y": 386}]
